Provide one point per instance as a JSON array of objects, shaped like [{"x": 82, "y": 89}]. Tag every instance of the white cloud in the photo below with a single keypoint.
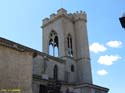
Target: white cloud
[
  {"x": 96, "y": 47},
  {"x": 114, "y": 44},
  {"x": 108, "y": 59},
  {"x": 102, "y": 72}
]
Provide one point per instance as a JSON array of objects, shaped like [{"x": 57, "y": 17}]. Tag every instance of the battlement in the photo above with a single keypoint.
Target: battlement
[
  {"x": 62, "y": 12},
  {"x": 80, "y": 16}
]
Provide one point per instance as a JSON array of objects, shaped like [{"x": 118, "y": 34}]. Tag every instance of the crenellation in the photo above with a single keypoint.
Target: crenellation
[
  {"x": 52, "y": 15},
  {"x": 45, "y": 20},
  {"x": 81, "y": 11},
  {"x": 80, "y": 15},
  {"x": 61, "y": 11},
  {"x": 72, "y": 16}
]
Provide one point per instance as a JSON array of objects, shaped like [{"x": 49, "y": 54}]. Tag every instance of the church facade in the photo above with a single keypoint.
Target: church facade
[{"x": 63, "y": 66}]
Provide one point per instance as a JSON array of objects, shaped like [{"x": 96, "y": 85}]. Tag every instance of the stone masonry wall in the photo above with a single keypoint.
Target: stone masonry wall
[{"x": 15, "y": 71}]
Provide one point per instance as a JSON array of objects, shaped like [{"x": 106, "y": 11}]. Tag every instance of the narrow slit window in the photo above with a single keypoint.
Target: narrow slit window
[
  {"x": 55, "y": 72},
  {"x": 72, "y": 68},
  {"x": 69, "y": 46}
]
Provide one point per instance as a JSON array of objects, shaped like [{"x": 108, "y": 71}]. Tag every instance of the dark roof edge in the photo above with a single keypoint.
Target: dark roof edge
[{"x": 22, "y": 48}]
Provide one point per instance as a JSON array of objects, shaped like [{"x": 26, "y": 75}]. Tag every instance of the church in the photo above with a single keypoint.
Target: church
[{"x": 64, "y": 65}]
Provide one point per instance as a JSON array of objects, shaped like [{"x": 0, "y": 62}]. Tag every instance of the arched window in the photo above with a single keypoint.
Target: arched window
[
  {"x": 55, "y": 72},
  {"x": 72, "y": 68},
  {"x": 69, "y": 46},
  {"x": 53, "y": 44}
]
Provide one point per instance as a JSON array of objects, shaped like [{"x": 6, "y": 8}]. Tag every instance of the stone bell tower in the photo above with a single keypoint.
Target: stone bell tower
[{"x": 65, "y": 35}]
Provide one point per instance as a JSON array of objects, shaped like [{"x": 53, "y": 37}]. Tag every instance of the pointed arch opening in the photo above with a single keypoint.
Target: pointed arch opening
[
  {"x": 55, "y": 72},
  {"x": 72, "y": 68},
  {"x": 69, "y": 46},
  {"x": 53, "y": 44}
]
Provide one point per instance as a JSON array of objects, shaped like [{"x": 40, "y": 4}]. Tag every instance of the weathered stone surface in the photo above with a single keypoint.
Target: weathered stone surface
[{"x": 15, "y": 70}]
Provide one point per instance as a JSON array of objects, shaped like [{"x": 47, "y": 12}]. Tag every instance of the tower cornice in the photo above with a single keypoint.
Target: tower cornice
[
  {"x": 63, "y": 13},
  {"x": 48, "y": 21}
]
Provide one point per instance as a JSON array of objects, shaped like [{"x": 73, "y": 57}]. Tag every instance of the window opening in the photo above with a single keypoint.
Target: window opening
[
  {"x": 72, "y": 68},
  {"x": 55, "y": 72},
  {"x": 53, "y": 44},
  {"x": 69, "y": 45}
]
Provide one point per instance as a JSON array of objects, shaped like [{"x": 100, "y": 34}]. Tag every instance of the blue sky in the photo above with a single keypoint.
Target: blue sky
[{"x": 20, "y": 21}]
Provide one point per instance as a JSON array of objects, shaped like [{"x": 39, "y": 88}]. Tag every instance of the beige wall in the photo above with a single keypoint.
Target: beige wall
[
  {"x": 64, "y": 68},
  {"x": 15, "y": 70},
  {"x": 56, "y": 26},
  {"x": 39, "y": 65}
]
